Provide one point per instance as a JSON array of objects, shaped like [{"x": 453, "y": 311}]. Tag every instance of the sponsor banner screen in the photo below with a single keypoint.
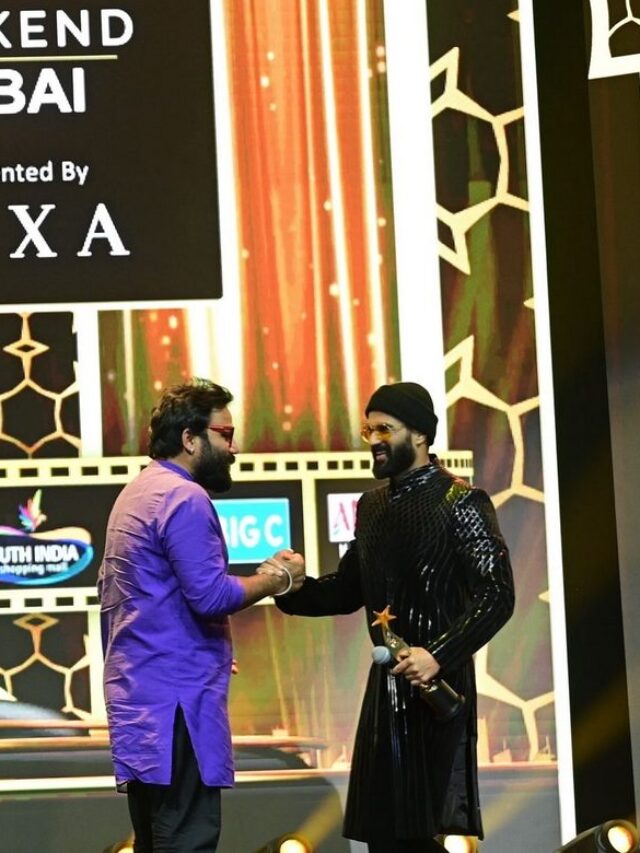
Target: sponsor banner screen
[
  {"x": 254, "y": 528},
  {"x": 107, "y": 153},
  {"x": 53, "y": 536},
  {"x": 259, "y": 519},
  {"x": 336, "y": 502}
]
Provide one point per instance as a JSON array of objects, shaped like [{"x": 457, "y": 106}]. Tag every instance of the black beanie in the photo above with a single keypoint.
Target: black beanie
[{"x": 410, "y": 403}]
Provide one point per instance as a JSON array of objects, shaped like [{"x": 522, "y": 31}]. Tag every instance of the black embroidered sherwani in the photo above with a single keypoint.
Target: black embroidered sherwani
[{"x": 428, "y": 545}]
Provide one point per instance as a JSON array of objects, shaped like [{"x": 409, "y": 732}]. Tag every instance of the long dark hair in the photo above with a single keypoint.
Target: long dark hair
[{"x": 183, "y": 407}]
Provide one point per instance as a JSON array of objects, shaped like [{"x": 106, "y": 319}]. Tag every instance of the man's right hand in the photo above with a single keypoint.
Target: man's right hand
[{"x": 283, "y": 562}]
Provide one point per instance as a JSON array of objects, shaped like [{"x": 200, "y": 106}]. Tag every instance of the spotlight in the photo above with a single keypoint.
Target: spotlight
[
  {"x": 292, "y": 845},
  {"x": 622, "y": 838},
  {"x": 459, "y": 843},
  {"x": 120, "y": 847},
  {"x": 289, "y": 843},
  {"x": 614, "y": 836}
]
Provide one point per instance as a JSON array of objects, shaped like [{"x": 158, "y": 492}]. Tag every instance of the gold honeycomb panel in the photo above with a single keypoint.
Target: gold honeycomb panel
[{"x": 26, "y": 348}]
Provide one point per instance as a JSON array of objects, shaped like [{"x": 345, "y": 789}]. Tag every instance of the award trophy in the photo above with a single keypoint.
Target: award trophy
[{"x": 438, "y": 695}]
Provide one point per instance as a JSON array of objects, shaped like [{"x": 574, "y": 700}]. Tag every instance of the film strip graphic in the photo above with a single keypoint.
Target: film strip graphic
[
  {"x": 306, "y": 469},
  {"x": 29, "y": 615},
  {"x": 77, "y": 494}
]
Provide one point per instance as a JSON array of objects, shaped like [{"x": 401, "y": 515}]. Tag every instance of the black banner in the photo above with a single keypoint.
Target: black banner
[{"x": 108, "y": 188}]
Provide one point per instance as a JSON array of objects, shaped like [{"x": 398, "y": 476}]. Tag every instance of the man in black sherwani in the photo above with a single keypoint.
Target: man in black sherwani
[{"x": 428, "y": 547}]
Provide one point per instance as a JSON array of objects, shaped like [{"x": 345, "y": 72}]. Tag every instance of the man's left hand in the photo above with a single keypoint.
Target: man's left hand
[{"x": 417, "y": 665}]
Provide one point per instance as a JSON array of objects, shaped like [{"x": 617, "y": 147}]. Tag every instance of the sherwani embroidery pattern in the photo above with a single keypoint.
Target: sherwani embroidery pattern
[{"x": 430, "y": 547}]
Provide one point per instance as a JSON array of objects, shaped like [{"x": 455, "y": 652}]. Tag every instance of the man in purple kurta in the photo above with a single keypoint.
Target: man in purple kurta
[{"x": 166, "y": 596}]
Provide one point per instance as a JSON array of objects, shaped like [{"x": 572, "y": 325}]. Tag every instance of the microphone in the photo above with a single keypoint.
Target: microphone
[{"x": 443, "y": 700}]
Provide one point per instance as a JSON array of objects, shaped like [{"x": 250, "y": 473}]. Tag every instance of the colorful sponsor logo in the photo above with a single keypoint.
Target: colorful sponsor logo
[
  {"x": 254, "y": 529},
  {"x": 341, "y": 511},
  {"x": 48, "y": 557}
]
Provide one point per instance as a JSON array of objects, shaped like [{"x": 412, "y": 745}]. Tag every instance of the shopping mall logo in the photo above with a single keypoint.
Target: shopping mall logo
[{"x": 28, "y": 558}]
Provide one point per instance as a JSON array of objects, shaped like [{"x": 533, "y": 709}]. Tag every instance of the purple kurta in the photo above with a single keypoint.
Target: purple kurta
[{"x": 165, "y": 598}]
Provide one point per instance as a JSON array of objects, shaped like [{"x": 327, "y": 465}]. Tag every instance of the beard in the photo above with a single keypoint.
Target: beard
[
  {"x": 395, "y": 461},
  {"x": 212, "y": 471}
]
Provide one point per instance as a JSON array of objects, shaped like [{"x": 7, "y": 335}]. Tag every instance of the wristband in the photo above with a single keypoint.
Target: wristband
[{"x": 289, "y": 585}]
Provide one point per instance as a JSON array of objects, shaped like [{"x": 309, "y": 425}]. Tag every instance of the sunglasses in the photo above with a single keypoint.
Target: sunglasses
[
  {"x": 383, "y": 431},
  {"x": 225, "y": 432}
]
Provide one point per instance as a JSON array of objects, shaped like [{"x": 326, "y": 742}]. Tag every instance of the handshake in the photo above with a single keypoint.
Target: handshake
[{"x": 288, "y": 567}]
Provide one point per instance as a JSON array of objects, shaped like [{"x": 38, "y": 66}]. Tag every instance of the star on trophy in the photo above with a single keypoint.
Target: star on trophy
[{"x": 443, "y": 700}]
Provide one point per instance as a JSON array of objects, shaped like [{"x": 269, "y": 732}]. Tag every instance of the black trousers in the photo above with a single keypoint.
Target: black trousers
[
  {"x": 395, "y": 845},
  {"x": 183, "y": 817}
]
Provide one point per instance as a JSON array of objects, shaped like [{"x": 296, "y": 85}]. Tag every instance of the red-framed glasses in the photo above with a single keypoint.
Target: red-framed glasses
[{"x": 225, "y": 432}]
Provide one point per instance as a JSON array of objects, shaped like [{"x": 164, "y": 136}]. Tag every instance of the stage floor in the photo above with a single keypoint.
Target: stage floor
[{"x": 520, "y": 809}]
